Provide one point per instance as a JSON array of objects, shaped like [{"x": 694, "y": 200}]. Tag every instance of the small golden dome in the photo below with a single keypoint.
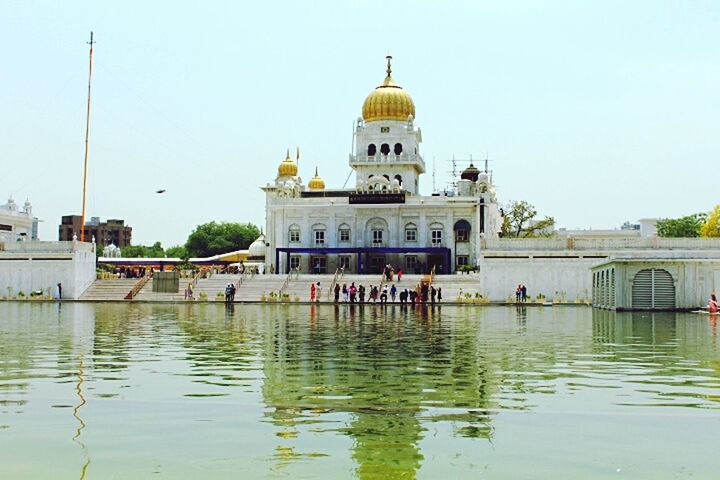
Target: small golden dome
[
  {"x": 288, "y": 168},
  {"x": 316, "y": 183},
  {"x": 388, "y": 101}
]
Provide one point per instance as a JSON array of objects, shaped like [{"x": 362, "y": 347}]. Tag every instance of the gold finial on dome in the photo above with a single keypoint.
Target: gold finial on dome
[
  {"x": 388, "y": 101},
  {"x": 316, "y": 183},
  {"x": 287, "y": 168}
]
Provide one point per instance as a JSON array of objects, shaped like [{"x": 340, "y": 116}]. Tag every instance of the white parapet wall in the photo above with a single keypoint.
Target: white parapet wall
[
  {"x": 561, "y": 267},
  {"x": 562, "y": 278},
  {"x": 39, "y": 266}
]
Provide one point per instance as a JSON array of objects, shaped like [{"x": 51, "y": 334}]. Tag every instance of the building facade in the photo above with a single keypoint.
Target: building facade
[
  {"x": 113, "y": 232},
  {"x": 17, "y": 224},
  {"x": 383, "y": 219}
]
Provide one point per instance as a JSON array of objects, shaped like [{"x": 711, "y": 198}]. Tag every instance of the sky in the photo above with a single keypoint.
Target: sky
[{"x": 596, "y": 112}]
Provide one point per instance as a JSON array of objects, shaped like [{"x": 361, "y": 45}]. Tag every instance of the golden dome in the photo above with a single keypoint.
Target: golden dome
[
  {"x": 388, "y": 101},
  {"x": 288, "y": 168},
  {"x": 316, "y": 183}
]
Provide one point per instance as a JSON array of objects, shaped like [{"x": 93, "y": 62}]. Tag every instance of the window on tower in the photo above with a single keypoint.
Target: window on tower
[
  {"x": 384, "y": 148},
  {"x": 384, "y": 129},
  {"x": 398, "y": 148},
  {"x": 372, "y": 150}
]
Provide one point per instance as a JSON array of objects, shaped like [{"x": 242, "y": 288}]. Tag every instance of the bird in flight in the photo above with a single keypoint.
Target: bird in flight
[{"x": 162, "y": 190}]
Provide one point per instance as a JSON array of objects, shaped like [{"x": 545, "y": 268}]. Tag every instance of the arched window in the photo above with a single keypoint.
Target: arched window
[
  {"x": 462, "y": 231},
  {"x": 319, "y": 234},
  {"x": 384, "y": 148},
  {"x": 344, "y": 233},
  {"x": 399, "y": 179},
  {"x": 372, "y": 149},
  {"x": 398, "y": 148},
  {"x": 294, "y": 233},
  {"x": 411, "y": 232},
  {"x": 387, "y": 177},
  {"x": 436, "y": 234}
]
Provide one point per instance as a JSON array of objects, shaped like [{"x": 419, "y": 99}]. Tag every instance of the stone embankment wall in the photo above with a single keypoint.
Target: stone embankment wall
[{"x": 39, "y": 266}]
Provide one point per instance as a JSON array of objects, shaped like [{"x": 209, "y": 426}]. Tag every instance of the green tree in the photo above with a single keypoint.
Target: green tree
[
  {"x": 99, "y": 250},
  {"x": 519, "y": 222},
  {"x": 215, "y": 238},
  {"x": 683, "y": 227},
  {"x": 711, "y": 227},
  {"x": 178, "y": 251},
  {"x": 142, "y": 251}
]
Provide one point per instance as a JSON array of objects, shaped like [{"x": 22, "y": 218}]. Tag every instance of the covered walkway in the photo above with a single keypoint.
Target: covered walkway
[{"x": 363, "y": 255}]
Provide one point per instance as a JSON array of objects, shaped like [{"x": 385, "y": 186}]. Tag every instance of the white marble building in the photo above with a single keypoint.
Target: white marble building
[
  {"x": 17, "y": 224},
  {"x": 383, "y": 219}
]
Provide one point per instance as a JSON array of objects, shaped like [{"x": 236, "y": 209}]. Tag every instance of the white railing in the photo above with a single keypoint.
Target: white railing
[
  {"x": 331, "y": 290},
  {"x": 389, "y": 158},
  {"x": 602, "y": 244}
]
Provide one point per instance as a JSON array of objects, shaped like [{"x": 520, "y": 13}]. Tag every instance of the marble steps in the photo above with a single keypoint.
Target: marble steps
[{"x": 109, "y": 289}]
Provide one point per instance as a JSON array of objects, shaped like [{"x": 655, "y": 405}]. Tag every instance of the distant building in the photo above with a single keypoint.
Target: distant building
[
  {"x": 644, "y": 228},
  {"x": 114, "y": 231},
  {"x": 16, "y": 224}
]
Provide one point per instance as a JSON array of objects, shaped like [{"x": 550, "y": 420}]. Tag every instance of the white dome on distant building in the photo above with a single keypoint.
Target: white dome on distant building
[{"x": 256, "y": 251}]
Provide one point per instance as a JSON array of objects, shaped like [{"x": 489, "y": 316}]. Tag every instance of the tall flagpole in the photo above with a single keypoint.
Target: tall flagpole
[{"x": 87, "y": 143}]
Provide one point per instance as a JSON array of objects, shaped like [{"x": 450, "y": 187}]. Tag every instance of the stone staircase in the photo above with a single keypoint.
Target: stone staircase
[
  {"x": 452, "y": 285},
  {"x": 109, "y": 289},
  {"x": 253, "y": 288}
]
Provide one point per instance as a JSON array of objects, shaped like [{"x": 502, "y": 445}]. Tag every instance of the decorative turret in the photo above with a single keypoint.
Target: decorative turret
[
  {"x": 287, "y": 168},
  {"x": 256, "y": 251},
  {"x": 316, "y": 183},
  {"x": 471, "y": 173}
]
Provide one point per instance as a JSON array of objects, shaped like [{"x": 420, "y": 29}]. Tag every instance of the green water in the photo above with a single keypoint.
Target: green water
[{"x": 119, "y": 391}]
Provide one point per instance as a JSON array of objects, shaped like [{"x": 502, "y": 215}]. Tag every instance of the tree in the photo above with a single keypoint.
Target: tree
[
  {"x": 142, "y": 251},
  {"x": 99, "y": 250},
  {"x": 711, "y": 227},
  {"x": 519, "y": 222},
  {"x": 178, "y": 251},
  {"x": 683, "y": 227},
  {"x": 215, "y": 238}
]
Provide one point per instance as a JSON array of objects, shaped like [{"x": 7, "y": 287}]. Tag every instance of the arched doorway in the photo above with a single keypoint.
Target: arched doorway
[{"x": 653, "y": 288}]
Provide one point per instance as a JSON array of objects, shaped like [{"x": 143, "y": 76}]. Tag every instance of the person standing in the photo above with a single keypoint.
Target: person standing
[
  {"x": 523, "y": 293},
  {"x": 318, "y": 292},
  {"x": 393, "y": 292},
  {"x": 361, "y": 291},
  {"x": 439, "y": 294},
  {"x": 312, "y": 292},
  {"x": 353, "y": 292},
  {"x": 384, "y": 295},
  {"x": 345, "y": 292},
  {"x": 433, "y": 292},
  {"x": 59, "y": 285},
  {"x": 337, "y": 293},
  {"x": 518, "y": 293}
]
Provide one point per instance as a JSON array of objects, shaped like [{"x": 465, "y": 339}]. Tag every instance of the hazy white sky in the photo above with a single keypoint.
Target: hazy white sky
[{"x": 596, "y": 112}]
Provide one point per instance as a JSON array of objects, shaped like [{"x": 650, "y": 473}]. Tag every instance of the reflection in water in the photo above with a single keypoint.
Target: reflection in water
[
  {"x": 81, "y": 423},
  {"x": 385, "y": 389},
  {"x": 390, "y": 369}
]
